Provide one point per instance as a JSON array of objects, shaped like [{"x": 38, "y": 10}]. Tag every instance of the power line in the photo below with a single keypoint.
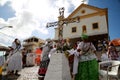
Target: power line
[{"x": 7, "y": 35}]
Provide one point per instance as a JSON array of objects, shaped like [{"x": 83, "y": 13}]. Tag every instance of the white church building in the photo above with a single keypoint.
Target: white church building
[{"x": 93, "y": 22}]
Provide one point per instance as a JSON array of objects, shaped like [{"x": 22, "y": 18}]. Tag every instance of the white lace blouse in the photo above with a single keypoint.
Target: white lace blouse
[{"x": 86, "y": 52}]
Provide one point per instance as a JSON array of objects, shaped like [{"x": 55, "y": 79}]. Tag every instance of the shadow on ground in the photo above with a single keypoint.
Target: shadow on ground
[{"x": 9, "y": 77}]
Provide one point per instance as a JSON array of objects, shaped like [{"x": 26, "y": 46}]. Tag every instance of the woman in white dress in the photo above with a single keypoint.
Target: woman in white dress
[
  {"x": 104, "y": 57},
  {"x": 45, "y": 58},
  {"x": 88, "y": 65},
  {"x": 15, "y": 58},
  {"x": 30, "y": 61},
  {"x": 53, "y": 50}
]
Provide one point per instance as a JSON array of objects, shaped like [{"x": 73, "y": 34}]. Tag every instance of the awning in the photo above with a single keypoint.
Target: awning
[{"x": 3, "y": 48}]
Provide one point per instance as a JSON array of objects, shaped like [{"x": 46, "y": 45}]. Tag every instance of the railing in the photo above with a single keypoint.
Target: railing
[{"x": 29, "y": 43}]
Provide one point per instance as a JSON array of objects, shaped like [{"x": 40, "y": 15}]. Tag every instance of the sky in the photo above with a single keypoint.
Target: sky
[{"x": 29, "y": 17}]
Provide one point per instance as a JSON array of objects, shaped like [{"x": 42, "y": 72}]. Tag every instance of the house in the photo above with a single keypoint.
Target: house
[
  {"x": 93, "y": 22},
  {"x": 32, "y": 43}
]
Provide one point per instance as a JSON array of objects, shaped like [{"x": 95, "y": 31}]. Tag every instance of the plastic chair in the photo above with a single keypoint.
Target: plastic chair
[{"x": 112, "y": 70}]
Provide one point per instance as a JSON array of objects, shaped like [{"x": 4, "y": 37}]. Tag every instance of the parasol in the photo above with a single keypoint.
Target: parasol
[{"x": 116, "y": 42}]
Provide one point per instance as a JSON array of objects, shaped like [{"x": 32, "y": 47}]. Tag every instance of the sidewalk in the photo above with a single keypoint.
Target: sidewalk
[{"x": 27, "y": 73}]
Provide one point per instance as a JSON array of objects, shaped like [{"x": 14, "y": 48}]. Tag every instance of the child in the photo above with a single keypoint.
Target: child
[
  {"x": 104, "y": 57},
  {"x": 53, "y": 50},
  {"x": 75, "y": 61}
]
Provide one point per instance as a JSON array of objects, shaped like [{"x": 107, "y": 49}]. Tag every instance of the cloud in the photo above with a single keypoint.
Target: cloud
[
  {"x": 3, "y": 2},
  {"x": 32, "y": 16}
]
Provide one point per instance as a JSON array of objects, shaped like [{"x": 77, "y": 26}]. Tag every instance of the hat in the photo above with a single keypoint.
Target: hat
[
  {"x": 48, "y": 40},
  {"x": 84, "y": 36}
]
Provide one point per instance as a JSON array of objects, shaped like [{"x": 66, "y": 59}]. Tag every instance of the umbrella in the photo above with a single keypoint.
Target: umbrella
[{"x": 116, "y": 42}]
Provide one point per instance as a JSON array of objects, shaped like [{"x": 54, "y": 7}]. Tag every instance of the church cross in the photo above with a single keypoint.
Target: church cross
[{"x": 61, "y": 22}]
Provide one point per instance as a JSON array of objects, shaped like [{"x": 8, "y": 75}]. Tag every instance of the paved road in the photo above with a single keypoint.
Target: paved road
[{"x": 28, "y": 73}]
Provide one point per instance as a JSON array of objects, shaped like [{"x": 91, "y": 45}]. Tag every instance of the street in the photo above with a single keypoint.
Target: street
[
  {"x": 27, "y": 73},
  {"x": 30, "y": 73}
]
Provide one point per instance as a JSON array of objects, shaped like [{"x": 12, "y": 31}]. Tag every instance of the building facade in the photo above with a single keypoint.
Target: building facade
[
  {"x": 93, "y": 22},
  {"x": 32, "y": 43}
]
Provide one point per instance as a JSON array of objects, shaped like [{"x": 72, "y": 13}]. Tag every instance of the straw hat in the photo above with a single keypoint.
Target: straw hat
[{"x": 48, "y": 40}]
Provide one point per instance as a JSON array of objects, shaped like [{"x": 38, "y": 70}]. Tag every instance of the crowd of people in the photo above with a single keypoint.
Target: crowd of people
[
  {"x": 86, "y": 59},
  {"x": 16, "y": 58},
  {"x": 82, "y": 56}
]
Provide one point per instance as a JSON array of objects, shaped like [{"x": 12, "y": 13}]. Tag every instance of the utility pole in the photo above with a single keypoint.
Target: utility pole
[{"x": 61, "y": 21}]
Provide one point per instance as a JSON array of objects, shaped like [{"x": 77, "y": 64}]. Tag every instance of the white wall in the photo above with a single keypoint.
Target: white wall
[
  {"x": 101, "y": 20},
  {"x": 87, "y": 11}
]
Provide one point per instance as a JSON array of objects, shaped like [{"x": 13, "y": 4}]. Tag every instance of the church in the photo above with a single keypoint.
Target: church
[{"x": 93, "y": 22}]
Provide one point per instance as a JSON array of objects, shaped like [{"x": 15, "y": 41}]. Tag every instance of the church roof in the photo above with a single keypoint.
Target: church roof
[{"x": 88, "y": 7}]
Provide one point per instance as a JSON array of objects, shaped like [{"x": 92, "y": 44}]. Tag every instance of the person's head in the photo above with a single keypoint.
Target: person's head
[
  {"x": 67, "y": 40},
  {"x": 75, "y": 45},
  {"x": 84, "y": 37},
  {"x": 10, "y": 48},
  {"x": 55, "y": 46},
  {"x": 17, "y": 41},
  {"x": 48, "y": 41},
  {"x": 110, "y": 44}
]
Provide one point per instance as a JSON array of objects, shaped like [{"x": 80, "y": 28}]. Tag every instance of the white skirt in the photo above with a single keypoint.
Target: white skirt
[
  {"x": 15, "y": 62},
  {"x": 75, "y": 65}
]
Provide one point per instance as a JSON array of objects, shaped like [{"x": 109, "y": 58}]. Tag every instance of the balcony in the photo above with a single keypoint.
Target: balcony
[{"x": 30, "y": 44}]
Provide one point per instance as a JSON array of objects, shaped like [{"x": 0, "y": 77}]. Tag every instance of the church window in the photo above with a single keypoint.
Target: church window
[
  {"x": 83, "y": 11},
  {"x": 84, "y": 30},
  {"x": 95, "y": 25},
  {"x": 74, "y": 29}
]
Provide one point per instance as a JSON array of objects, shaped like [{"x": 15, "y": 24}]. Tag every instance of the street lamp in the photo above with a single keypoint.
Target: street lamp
[{"x": 6, "y": 26}]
